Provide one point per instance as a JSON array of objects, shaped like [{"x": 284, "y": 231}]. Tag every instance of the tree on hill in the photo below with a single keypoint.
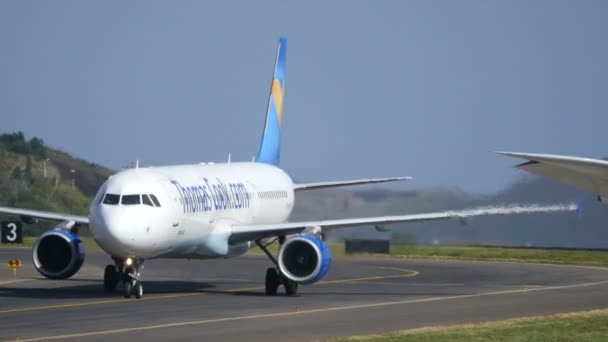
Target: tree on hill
[{"x": 16, "y": 142}]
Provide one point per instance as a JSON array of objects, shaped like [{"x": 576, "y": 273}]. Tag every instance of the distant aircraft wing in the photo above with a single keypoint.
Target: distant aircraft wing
[
  {"x": 45, "y": 215},
  {"x": 242, "y": 233},
  {"x": 583, "y": 173},
  {"x": 322, "y": 185}
]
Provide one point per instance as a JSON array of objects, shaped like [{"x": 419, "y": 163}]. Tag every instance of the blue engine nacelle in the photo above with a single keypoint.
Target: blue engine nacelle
[
  {"x": 58, "y": 254},
  {"x": 304, "y": 259}
]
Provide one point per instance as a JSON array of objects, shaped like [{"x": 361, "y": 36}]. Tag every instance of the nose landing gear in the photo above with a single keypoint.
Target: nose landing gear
[
  {"x": 127, "y": 271},
  {"x": 131, "y": 284}
]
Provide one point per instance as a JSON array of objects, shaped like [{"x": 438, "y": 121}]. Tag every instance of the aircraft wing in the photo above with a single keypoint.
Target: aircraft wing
[
  {"x": 583, "y": 173},
  {"x": 242, "y": 233},
  {"x": 45, "y": 215},
  {"x": 321, "y": 185}
]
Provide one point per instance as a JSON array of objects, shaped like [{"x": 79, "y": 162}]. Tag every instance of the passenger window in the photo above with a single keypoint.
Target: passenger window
[
  {"x": 131, "y": 199},
  {"x": 155, "y": 200},
  {"x": 146, "y": 200},
  {"x": 111, "y": 199}
]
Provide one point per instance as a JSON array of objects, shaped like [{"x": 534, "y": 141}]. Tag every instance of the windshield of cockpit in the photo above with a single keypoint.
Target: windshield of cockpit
[{"x": 131, "y": 199}]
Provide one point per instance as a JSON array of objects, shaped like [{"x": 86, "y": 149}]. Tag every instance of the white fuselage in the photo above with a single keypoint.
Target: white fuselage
[{"x": 198, "y": 205}]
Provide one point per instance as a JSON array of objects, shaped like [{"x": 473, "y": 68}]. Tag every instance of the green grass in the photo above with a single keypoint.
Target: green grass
[
  {"x": 483, "y": 253},
  {"x": 504, "y": 254},
  {"x": 582, "y": 326}
]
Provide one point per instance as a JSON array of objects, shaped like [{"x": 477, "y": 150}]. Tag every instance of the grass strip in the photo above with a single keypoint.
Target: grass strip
[
  {"x": 580, "y": 326},
  {"x": 596, "y": 258},
  {"x": 578, "y": 257}
]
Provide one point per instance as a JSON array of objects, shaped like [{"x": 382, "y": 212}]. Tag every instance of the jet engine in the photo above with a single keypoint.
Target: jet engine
[
  {"x": 304, "y": 259},
  {"x": 58, "y": 254}
]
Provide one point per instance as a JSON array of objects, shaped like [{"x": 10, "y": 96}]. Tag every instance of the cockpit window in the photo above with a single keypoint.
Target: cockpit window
[
  {"x": 131, "y": 199},
  {"x": 146, "y": 200},
  {"x": 155, "y": 200},
  {"x": 111, "y": 199}
]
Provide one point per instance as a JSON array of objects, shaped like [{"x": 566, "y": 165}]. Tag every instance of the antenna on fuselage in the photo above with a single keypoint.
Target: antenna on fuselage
[
  {"x": 228, "y": 158},
  {"x": 137, "y": 163}
]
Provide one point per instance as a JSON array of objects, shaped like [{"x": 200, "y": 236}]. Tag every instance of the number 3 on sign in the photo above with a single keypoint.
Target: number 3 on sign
[{"x": 11, "y": 232}]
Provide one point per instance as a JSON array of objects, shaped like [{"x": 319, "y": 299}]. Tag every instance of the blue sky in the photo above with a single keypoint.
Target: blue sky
[{"x": 373, "y": 88}]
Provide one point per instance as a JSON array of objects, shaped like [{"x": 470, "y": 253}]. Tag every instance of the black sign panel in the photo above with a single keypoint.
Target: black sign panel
[
  {"x": 12, "y": 232},
  {"x": 367, "y": 246}
]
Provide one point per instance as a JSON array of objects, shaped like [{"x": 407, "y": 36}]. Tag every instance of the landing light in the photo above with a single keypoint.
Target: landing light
[{"x": 129, "y": 262}]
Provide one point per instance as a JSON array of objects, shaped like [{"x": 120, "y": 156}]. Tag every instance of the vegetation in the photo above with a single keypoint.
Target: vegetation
[
  {"x": 16, "y": 142},
  {"x": 583, "y": 326}
]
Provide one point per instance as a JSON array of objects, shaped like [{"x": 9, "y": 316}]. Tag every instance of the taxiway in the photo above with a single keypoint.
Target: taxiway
[{"x": 224, "y": 299}]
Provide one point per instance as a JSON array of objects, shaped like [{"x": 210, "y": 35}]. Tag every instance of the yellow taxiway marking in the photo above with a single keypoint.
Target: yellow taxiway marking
[
  {"x": 309, "y": 311},
  {"x": 14, "y": 281},
  {"x": 99, "y": 302},
  {"x": 408, "y": 273}
]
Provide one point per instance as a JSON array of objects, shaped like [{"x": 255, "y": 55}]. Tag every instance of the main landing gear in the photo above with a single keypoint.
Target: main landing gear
[
  {"x": 127, "y": 271},
  {"x": 274, "y": 278}
]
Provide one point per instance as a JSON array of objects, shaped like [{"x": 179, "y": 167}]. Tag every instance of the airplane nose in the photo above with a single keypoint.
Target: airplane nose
[
  {"x": 116, "y": 230},
  {"x": 113, "y": 233}
]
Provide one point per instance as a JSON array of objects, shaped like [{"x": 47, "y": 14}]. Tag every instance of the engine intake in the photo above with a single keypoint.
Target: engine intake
[
  {"x": 58, "y": 254},
  {"x": 304, "y": 259}
]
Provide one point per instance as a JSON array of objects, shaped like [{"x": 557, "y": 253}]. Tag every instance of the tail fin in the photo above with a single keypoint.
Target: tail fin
[{"x": 270, "y": 147}]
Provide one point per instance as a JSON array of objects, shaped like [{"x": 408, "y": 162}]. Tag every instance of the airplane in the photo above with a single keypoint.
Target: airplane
[
  {"x": 209, "y": 210},
  {"x": 586, "y": 174}
]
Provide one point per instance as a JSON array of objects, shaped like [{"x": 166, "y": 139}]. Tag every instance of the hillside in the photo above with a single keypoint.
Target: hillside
[{"x": 38, "y": 177}]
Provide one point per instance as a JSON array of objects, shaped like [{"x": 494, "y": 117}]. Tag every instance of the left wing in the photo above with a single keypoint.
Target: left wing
[
  {"x": 242, "y": 233},
  {"x": 45, "y": 215},
  {"x": 323, "y": 185}
]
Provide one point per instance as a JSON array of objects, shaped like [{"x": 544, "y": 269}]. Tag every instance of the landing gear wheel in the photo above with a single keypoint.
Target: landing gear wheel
[
  {"x": 291, "y": 288},
  {"x": 127, "y": 288},
  {"x": 139, "y": 290},
  {"x": 110, "y": 278},
  {"x": 272, "y": 281}
]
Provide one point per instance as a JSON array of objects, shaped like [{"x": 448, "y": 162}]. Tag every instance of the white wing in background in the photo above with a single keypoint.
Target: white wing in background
[{"x": 586, "y": 174}]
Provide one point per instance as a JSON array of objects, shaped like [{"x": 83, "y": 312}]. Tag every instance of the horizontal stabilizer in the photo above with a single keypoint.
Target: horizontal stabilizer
[{"x": 322, "y": 185}]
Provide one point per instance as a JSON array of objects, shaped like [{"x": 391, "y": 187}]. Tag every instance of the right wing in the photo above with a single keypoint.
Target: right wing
[
  {"x": 45, "y": 215},
  {"x": 583, "y": 173},
  {"x": 242, "y": 233}
]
